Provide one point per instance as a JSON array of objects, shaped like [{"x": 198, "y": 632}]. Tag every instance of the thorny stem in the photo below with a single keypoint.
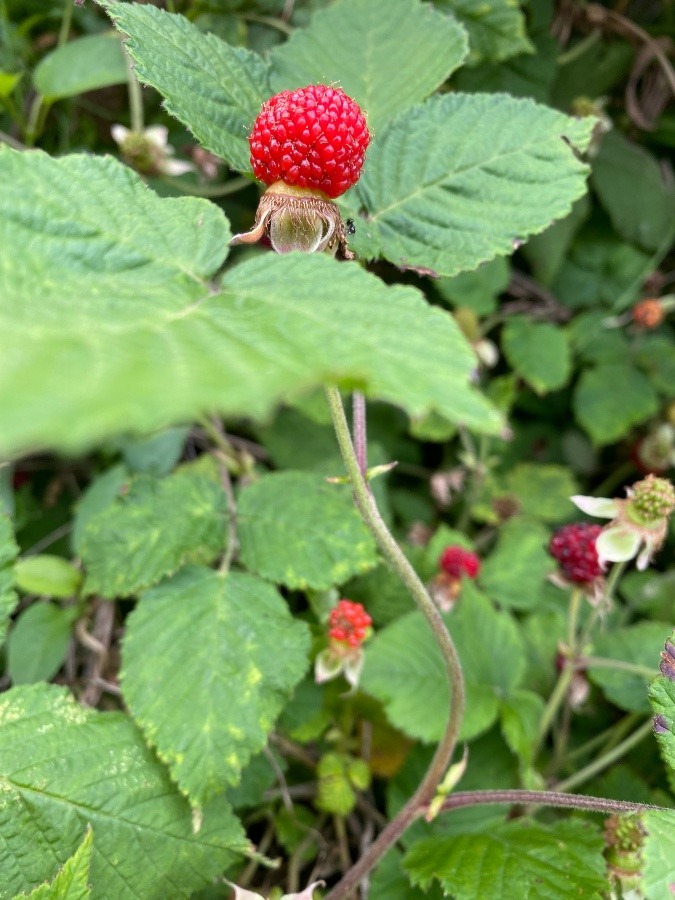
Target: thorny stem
[
  {"x": 602, "y": 762},
  {"x": 425, "y": 791},
  {"x": 542, "y": 798}
]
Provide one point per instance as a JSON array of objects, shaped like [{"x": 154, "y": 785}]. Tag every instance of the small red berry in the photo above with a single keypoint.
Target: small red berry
[
  {"x": 349, "y": 623},
  {"x": 573, "y": 546},
  {"x": 314, "y": 137},
  {"x": 457, "y": 561},
  {"x": 649, "y": 313}
]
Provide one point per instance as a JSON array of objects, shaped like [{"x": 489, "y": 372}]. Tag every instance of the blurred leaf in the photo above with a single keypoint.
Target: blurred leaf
[
  {"x": 632, "y": 188},
  {"x": 435, "y": 201},
  {"x": 81, "y": 65},
  {"x": 520, "y": 718},
  {"x": 48, "y": 576},
  {"x": 157, "y": 454},
  {"x": 546, "y": 252},
  {"x": 297, "y": 530},
  {"x": 38, "y": 642},
  {"x": 214, "y": 89},
  {"x": 638, "y": 644},
  {"x": 64, "y": 767},
  {"x": 404, "y": 668},
  {"x": 386, "y": 54},
  {"x": 8, "y": 81},
  {"x": 496, "y": 30},
  {"x": 152, "y": 529},
  {"x": 518, "y": 859},
  {"x": 478, "y": 289},
  {"x": 71, "y": 883},
  {"x": 658, "y": 875},
  {"x": 656, "y": 355},
  {"x": 543, "y": 491},
  {"x": 149, "y": 327},
  {"x": 542, "y": 631},
  {"x": 538, "y": 352},
  {"x": 515, "y": 571},
  {"x": 606, "y": 412},
  {"x": 390, "y": 882},
  {"x": 103, "y": 490},
  {"x": 8, "y": 552},
  {"x": 649, "y": 592},
  {"x": 231, "y": 644}
]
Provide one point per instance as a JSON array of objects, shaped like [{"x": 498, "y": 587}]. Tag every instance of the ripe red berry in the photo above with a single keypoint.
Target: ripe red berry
[
  {"x": 457, "y": 561},
  {"x": 314, "y": 137},
  {"x": 573, "y": 546},
  {"x": 349, "y": 623}
]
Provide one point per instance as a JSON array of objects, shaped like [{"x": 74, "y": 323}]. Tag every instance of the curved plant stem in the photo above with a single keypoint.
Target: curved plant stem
[
  {"x": 135, "y": 96},
  {"x": 542, "y": 798},
  {"x": 602, "y": 762},
  {"x": 359, "y": 430},
  {"x": 425, "y": 792}
]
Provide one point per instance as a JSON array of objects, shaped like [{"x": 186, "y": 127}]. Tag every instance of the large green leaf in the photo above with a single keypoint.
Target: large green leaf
[
  {"x": 8, "y": 552},
  {"x": 151, "y": 529},
  {"x": 515, "y": 571},
  {"x": 538, "y": 352},
  {"x": 297, "y": 530},
  {"x": 101, "y": 297},
  {"x": 658, "y": 876},
  {"x": 496, "y": 29},
  {"x": 519, "y": 859},
  {"x": 386, "y": 54},
  {"x": 462, "y": 178},
  {"x": 216, "y": 90},
  {"x": 72, "y": 881},
  {"x": 231, "y": 645},
  {"x": 81, "y": 65},
  {"x": 607, "y": 413},
  {"x": 542, "y": 490},
  {"x": 405, "y": 671},
  {"x": 636, "y": 644},
  {"x": 63, "y": 767}
]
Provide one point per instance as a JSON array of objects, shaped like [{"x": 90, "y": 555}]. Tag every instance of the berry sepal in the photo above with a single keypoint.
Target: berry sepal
[{"x": 301, "y": 219}]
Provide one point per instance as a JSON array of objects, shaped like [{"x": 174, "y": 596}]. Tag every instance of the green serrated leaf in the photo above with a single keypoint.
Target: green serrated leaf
[
  {"x": 72, "y": 881},
  {"x": 390, "y": 882},
  {"x": 231, "y": 644},
  {"x": 518, "y": 859},
  {"x": 47, "y": 575},
  {"x": 477, "y": 289},
  {"x": 123, "y": 287},
  {"x": 542, "y": 491},
  {"x": 637, "y": 644},
  {"x": 152, "y": 529},
  {"x": 538, "y": 352},
  {"x": 84, "y": 64},
  {"x": 515, "y": 571},
  {"x": 404, "y": 669},
  {"x": 63, "y": 767},
  {"x": 38, "y": 642},
  {"x": 606, "y": 413},
  {"x": 214, "y": 89},
  {"x": 297, "y": 530},
  {"x": 662, "y": 699},
  {"x": 520, "y": 719},
  {"x": 386, "y": 54},
  {"x": 658, "y": 853},
  {"x": 8, "y": 552},
  {"x": 496, "y": 29},
  {"x": 434, "y": 200},
  {"x": 631, "y": 186}
]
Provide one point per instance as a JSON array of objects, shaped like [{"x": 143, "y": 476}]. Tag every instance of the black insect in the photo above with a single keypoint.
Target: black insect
[{"x": 350, "y": 226}]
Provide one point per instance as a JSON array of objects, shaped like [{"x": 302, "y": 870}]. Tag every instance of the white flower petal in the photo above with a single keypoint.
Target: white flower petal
[
  {"x": 617, "y": 544},
  {"x": 327, "y": 665},
  {"x": 241, "y": 894},
  {"x": 176, "y": 167},
  {"x": 307, "y": 894},
  {"x": 119, "y": 134},
  {"x": 158, "y": 134},
  {"x": 600, "y": 507},
  {"x": 352, "y": 667},
  {"x": 645, "y": 557}
]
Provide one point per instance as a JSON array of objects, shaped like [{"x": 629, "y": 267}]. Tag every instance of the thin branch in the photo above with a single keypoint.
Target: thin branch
[{"x": 542, "y": 798}]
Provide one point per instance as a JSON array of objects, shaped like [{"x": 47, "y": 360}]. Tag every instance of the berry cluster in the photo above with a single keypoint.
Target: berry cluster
[
  {"x": 349, "y": 623},
  {"x": 653, "y": 498},
  {"x": 314, "y": 137},
  {"x": 456, "y": 561},
  {"x": 573, "y": 546}
]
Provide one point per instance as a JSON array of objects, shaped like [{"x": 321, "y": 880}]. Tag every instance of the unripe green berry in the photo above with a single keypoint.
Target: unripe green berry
[{"x": 653, "y": 498}]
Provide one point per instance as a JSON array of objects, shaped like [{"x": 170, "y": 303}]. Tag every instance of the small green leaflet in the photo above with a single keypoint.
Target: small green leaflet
[{"x": 71, "y": 883}]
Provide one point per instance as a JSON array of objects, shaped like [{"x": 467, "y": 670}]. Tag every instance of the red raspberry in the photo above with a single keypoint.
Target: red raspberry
[
  {"x": 573, "y": 546},
  {"x": 349, "y": 623},
  {"x": 314, "y": 137},
  {"x": 457, "y": 561}
]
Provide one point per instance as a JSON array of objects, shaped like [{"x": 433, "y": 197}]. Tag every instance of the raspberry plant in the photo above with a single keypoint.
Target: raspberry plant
[{"x": 256, "y": 647}]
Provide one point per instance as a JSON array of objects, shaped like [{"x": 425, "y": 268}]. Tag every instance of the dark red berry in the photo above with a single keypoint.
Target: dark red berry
[
  {"x": 349, "y": 623},
  {"x": 314, "y": 137},
  {"x": 573, "y": 546},
  {"x": 457, "y": 561}
]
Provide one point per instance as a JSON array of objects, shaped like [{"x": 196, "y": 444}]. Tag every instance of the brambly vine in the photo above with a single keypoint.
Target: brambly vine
[{"x": 255, "y": 647}]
